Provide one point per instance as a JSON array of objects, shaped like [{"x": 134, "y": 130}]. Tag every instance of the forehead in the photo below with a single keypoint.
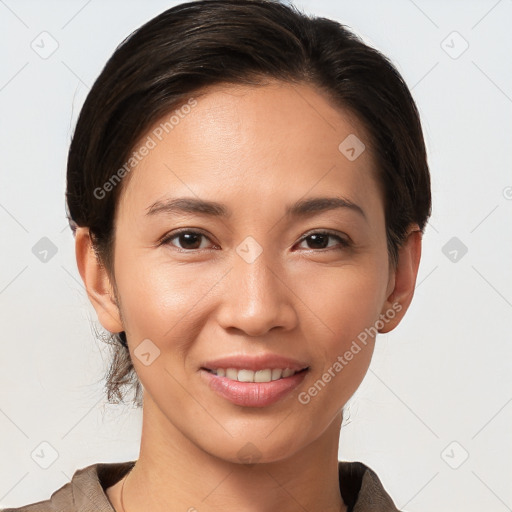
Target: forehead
[{"x": 255, "y": 142}]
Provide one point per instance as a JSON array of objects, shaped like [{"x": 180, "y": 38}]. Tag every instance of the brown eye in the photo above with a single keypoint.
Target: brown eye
[
  {"x": 320, "y": 240},
  {"x": 188, "y": 240}
]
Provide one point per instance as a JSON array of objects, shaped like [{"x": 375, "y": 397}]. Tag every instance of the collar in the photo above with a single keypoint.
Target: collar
[{"x": 360, "y": 488}]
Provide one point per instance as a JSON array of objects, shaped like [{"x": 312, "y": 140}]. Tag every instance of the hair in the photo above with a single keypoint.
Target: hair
[{"x": 198, "y": 44}]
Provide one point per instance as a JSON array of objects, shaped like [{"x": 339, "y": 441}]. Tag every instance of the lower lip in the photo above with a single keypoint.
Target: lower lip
[{"x": 252, "y": 394}]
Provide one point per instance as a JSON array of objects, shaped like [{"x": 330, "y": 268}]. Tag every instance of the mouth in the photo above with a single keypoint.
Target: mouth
[
  {"x": 253, "y": 388},
  {"x": 246, "y": 375}
]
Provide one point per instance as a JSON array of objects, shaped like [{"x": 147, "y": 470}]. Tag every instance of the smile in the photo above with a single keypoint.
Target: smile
[
  {"x": 251, "y": 392},
  {"x": 265, "y": 375}
]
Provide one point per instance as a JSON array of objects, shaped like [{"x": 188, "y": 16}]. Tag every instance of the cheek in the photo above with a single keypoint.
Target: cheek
[
  {"x": 342, "y": 309},
  {"x": 343, "y": 358},
  {"x": 166, "y": 305},
  {"x": 344, "y": 301},
  {"x": 159, "y": 300}
]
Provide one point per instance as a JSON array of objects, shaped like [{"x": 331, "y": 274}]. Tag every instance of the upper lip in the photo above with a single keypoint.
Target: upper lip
[{"x": 255, "y": 363}]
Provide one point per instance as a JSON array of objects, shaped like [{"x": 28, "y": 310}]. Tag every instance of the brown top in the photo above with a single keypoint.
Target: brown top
[{"x": 360, "y": 488}]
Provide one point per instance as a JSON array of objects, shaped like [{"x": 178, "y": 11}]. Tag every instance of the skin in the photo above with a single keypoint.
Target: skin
[{"x": 254, "y": 149}]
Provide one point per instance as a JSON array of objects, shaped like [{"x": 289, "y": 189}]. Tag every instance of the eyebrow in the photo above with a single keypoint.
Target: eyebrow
[{"x": 301, "y": 208}]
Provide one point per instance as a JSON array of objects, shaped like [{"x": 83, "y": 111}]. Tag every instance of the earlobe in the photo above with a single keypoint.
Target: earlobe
[
  {"x": 403, "y": 280},
  {"x": 97, "y": 282}
]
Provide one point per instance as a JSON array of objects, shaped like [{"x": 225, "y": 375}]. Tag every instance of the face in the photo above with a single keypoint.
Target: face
[{"x": 255, "y": 275}]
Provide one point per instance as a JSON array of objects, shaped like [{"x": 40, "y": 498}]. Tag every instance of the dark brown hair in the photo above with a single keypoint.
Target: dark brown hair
[{"x": 203, "y": 43}]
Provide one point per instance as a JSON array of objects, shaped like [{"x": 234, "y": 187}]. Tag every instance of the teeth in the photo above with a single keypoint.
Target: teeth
[
  {"x": 276, "y": 373},
  {"x": 266, "y": 375}
]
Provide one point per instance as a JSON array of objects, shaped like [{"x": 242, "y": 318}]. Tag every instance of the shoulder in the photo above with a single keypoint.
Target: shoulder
[
  {"x": 60, "y": 499},
  {"x": 85, "y": 491},
  {"x": 362, "y": 489}
]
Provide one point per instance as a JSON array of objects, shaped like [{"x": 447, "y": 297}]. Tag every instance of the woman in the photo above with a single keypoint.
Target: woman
[{"x": 248, "y": 187}]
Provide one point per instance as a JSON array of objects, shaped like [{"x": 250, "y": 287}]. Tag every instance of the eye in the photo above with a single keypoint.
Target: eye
[
  {"x": 188, "y": 239},
  {"x": 320, "y": 240}
]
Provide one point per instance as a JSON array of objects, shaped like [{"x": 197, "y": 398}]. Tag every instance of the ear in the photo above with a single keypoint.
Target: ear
[
  {"x": 97, "y": 282},
  {"x": 402, "y": 280}
]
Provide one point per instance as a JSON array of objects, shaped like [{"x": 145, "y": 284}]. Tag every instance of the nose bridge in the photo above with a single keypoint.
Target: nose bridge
[
  {"x": 257, "y": 300},
  {"x": 256, "y": 280}
]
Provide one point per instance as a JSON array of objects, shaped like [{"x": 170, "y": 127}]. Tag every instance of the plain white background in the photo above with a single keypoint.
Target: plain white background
[{"x": 432, "y": 416}]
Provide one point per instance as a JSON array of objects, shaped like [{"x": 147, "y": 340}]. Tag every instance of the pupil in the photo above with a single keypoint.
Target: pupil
[
  {"x": 187, "y": 237},
  {"x": 315, "y": 239}
]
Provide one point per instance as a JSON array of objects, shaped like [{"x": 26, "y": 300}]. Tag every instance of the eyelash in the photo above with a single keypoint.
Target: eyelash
[{"x": 344, "y": 244}]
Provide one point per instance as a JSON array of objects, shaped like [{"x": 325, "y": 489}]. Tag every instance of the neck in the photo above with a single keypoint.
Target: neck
[{"x": 166, "y": 473}]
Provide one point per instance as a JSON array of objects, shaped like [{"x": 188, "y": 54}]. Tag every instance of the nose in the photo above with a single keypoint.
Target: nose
[{"x": 257, "y": 298}]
